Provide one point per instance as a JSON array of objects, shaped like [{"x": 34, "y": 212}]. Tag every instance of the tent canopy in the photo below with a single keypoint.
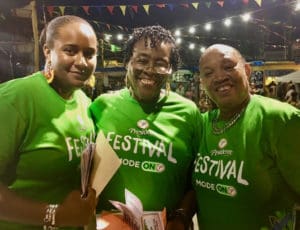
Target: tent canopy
[{"x": 294, "y": 77}]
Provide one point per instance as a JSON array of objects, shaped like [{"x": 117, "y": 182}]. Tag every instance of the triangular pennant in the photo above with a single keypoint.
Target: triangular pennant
[
  {"x": 123, "y": 9},
  {"x": 50, "y": 10},
  {"x": 110, "y": 9},
  {"x": 62, "y": 9},
  {"x": 258, "y": 2},
  {"x": 86, "y": 9},
  {"x": 98, "y": 8},
  {"x": 195, "y": 5},
  {"x": 74, "y": 9},
  {"x": 208, "y": 4},
  {"x": 171, "y": 6},
  {"x": 185, "y": 5},
  {"x": 245, "y": 1},
  {"x": 135, "y": 8},
  {"x": 146, "y": 8},
  {"x": 160, "y": 5},
  {"x": 220, "y": 3}
]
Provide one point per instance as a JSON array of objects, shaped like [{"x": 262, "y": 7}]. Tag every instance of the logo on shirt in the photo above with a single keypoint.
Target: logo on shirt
[
  {"x": 143, "y": 124},
  {"x": 151, "y": 166},
  {"x": 222, "y": 143},
  {"x": 226, "y": 190}
]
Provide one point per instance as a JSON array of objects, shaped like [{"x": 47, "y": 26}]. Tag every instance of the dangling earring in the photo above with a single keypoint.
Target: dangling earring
[
  {"x": 168, "y": 87},
  {"x": 49, "y": 72}
]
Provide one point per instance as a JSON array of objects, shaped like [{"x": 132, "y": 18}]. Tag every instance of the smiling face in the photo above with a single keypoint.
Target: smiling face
[
  {"x": 224, "y": 76},
  {"x": 72, "y": 56},
  {"x": 148, "y": 70}
]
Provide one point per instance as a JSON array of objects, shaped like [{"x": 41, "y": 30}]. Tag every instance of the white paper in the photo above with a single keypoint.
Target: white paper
[{"x": 105, "y": 164}]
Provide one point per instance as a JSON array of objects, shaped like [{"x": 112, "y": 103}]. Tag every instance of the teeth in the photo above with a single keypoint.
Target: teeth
[
  {"x": 147, "y": 81},
  {"x": 224, "y": 88}
]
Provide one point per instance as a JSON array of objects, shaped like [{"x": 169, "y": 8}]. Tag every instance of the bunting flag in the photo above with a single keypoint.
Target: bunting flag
[
  {"x": 123, "y": 9},
  {"x": 86, "y": 9},
  {"x": 99, "y": 8},
  {"x": 135, "y": 8},
  {"x": 50, "y": 10},
  {"x": 74, "y": 9},
  {"x": 171, "y": 7},
  {"x": 160, "y": 5},
  {"x": 258, "y": 2},
  {"x": 220, "y": 3},
  {"x": 62, "y": 9},
  {"x": 208, "y": 4},
  {"x": 146, "y": 8},
  {"x": 110, "y": 9},
  {"x": 185, "y": 5},
  {"x": 195, "y": 5}
]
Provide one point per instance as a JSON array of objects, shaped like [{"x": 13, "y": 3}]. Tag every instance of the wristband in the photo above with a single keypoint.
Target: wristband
[
  {"x": 181, "y": 215},
  {"x": 49, "y": 219}
]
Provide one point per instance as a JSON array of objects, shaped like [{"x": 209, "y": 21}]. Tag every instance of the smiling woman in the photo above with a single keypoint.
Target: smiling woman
[
  {"x": 48, "y": 128},
  {"x": 153, "y": 128}
]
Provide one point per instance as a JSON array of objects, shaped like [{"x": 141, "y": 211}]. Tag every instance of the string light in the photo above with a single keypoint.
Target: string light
[
  {"x": 227, "y": 22},
  {"x": 207, "y": 27},
  {"x": 192, "y": 30},
  {"x": 246, "y": 17},
  {"x": 177, "y": 33}
]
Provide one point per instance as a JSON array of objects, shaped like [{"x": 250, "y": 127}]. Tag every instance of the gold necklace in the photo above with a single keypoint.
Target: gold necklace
[{"x": 217, "y": 131}]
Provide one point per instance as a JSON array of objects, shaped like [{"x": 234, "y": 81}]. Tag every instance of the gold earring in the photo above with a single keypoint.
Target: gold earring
[{"x": 49, "y": 72}]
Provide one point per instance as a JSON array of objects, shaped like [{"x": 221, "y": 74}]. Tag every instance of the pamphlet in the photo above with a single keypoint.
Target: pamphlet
[
  {"x": 86, "y": 167},
  {"x": 99, "y": 162}
]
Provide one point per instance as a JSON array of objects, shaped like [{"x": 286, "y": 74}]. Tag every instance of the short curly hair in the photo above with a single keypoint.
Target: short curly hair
[{"x": 157, "y": 34}]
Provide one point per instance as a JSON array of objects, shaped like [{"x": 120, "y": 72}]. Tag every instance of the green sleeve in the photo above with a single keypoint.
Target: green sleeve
[
  {"x": 11, "y": 135},
  {"x": 289, "y": 152}
]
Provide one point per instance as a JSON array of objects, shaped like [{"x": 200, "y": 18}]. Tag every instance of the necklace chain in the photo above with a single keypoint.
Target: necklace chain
[{"x": 217, "y": 131}]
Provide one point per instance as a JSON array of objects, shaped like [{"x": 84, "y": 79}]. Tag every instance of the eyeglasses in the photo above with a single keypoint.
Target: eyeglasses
[{"x": 158, "y": 67}]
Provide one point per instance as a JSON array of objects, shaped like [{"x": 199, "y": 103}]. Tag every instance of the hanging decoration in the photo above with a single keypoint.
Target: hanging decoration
[{"x": 146, "y": 7}]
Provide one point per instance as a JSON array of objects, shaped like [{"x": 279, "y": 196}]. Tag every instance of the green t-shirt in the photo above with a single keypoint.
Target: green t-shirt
[
  {"x": 157, "y": 144},
  {"x": 248, "y": 177},
  {"x": 42, "y": 137}
]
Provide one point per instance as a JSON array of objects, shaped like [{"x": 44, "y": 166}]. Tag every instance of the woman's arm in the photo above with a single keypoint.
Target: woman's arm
[{"x": 74, "y": 211}]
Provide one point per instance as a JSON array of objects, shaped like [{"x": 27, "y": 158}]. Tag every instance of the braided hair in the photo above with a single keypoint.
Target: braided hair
[{"x": 156, "y": 34}]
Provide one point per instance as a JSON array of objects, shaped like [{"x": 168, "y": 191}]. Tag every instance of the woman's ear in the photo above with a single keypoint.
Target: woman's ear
[{"x": 46, "y": 51}]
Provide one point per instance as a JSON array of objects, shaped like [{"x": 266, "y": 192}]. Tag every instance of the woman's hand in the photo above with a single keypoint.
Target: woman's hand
[{"x": 75, "y": 210}]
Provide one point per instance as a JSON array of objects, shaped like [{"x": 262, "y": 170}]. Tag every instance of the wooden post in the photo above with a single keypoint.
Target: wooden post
[{"x": 35, "y": 35}]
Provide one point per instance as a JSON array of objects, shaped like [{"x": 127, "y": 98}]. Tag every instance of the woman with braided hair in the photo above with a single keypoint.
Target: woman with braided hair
[{"x": 155, "y": 132}]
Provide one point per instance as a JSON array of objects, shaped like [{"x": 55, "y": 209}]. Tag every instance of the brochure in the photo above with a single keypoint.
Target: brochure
[{"x": 99, "y": 162}]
